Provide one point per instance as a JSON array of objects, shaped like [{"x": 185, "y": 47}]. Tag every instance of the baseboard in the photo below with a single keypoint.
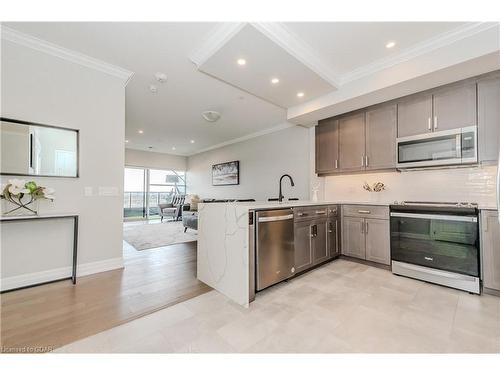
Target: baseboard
[{"x": 84, "y": 269}]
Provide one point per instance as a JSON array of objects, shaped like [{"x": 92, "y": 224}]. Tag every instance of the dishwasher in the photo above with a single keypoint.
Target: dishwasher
[{"x": 274, "y": 247}]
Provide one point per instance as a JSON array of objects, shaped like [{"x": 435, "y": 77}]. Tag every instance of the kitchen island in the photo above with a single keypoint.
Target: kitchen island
[{"x": 225, "y": 254}]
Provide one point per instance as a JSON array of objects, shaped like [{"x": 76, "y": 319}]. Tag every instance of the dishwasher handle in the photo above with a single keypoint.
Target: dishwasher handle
[{"x": 267, "y": 219}]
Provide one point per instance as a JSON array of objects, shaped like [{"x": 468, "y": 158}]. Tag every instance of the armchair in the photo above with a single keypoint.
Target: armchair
[{"x": 172, "y": 209}]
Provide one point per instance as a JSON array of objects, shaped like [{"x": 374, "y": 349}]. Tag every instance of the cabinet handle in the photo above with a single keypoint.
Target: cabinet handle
[
  {"x": 300, "y": 214},
  {"x": 363, "y": 212},
  {"x": 366, "y": 230},
  {"x": 435, "y": 122},
  {"x": 363, "y": 161},
  {"x": 321, "y": 212},
  {"x": 429, "y": 124},
  {"x": 336, "y": 163},
  {"x": 366, "y": 161},
  {"x": 362, "y": 228}
]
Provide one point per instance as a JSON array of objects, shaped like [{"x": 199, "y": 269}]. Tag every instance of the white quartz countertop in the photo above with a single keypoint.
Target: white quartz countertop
[
  {"x": 288, "y": 204},
  {"x": 262, "y": 205}
]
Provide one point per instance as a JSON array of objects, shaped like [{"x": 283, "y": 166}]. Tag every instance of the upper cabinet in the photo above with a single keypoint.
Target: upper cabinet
[
  {"x": 352, "y": 142},
  {"x": 415, "y": 115},
  {"x": 381, "y": 133},
  {"x": 454, "y": 107},
  {"x": 327, "y": 146},
  {"x": 488, "y": 117},
  {"x": 446, "y": 108},
  {"x": 365, "y": 140}
]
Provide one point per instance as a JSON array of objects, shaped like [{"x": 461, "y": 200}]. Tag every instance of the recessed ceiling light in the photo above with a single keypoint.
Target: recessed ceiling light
[
  {"x": 140, "y": 131},
  {"x": 390, "y": 44},
  {"x": 275, "y": 81},
  {"x": 300, "y": 94},
  {"x": 241, "y": 61},
  {"x": 173, "y": 148},
  {"x": 126, "y": 140},
  {"x": 153, "y": 89},
  {"x": 192, "y": 141}
]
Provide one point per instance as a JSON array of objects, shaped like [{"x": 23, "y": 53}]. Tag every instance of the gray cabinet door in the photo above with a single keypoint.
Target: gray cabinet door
[
  {"x": 488, "y": 118},
  {"x": 415, "y": 115},
  {"x": 454, "y": 107},
  {"x": 381, "y": 133},
  {"x": 333, "y": 237},
  {"x": 352, "y": 142},
  {"x": 327, "y": 146},
  {"x": 320, "y": 243},
  {"x": 490, "y": 242},
  {"x": 353, "y": 237},
  {"x": 303, "y": 246},
  {"x": 378, "y": 246}
]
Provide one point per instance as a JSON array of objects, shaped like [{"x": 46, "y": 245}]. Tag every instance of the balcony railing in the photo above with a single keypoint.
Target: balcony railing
[{"x": 134, "y": 203}]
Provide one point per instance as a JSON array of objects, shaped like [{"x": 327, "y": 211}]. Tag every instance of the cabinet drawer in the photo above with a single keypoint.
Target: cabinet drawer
[
  {"x": 355, "y": 210},
  {"x": 310, "y": 212}
]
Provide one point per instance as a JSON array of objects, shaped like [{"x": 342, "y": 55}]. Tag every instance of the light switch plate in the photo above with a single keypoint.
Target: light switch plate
[{"x": 108, "y": 191}]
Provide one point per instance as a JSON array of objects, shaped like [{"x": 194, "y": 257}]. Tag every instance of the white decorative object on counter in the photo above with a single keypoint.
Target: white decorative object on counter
[{"x": 315, "y": 190}]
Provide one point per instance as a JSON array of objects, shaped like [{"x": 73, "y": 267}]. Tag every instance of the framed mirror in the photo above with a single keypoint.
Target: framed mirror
[{"x": 31, "y": 149}]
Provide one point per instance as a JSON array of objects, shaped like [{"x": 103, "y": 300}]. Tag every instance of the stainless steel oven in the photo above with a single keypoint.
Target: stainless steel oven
[
  {"x": 438, "y": 243},
  {"x": 448, "y": 147}
]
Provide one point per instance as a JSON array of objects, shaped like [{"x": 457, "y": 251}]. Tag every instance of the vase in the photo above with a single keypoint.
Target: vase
[{"x": 14, "y": 209}]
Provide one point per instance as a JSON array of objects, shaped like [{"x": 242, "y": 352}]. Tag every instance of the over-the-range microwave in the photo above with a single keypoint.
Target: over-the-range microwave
[{"x": 447, "y": 147}]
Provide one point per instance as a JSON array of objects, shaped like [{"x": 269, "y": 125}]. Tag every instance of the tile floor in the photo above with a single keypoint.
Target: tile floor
[{"x": 340, "y": 307}]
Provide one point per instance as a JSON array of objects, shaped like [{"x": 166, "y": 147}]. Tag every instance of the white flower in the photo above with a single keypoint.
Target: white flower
[
  {"x": 17, "y": 187},
  {"x": 49, "y": 193}
]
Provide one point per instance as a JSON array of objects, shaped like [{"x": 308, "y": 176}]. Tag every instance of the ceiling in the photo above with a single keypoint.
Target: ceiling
[
  {"x": 172, "y": 116},
  {"x": 347, "y": 46},
  {"x": 265, "y": 61},
  {"x": 200, "y": 61}
]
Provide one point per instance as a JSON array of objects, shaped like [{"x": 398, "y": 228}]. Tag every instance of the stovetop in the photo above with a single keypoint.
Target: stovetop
[
  {"x": 437, "y": 204},
  {"x": 450, "y": 208}
]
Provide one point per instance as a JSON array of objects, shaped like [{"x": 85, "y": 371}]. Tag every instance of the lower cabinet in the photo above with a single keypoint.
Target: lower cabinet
[
  {"x": 490, "y": 242},
  {"x": 378, "y": 241},
  {"x": 316, "y": 241},
  {"x": 353, "y": 237},
  {"x": 366, "y": 238},
  {"x": 333, "y": 237},
  {"x": 319, "y": 242},
  {"x": 303, "y": 246}
]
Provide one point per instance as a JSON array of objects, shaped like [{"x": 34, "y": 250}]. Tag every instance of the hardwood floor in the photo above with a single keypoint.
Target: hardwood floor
[{"x": 52, "y": 315}]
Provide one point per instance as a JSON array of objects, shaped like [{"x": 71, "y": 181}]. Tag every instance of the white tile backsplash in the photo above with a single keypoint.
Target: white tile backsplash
[{"x": 476, "y": 185}]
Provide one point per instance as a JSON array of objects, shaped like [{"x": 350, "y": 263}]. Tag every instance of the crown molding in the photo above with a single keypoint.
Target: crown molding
[
  {"x": 215, "y": 40},
  {"x": 40, "y": 45},
  {"x": 290, "y": 42},
  {"x": 274, "y": 129},
  {"x": 418, "y": 49}
]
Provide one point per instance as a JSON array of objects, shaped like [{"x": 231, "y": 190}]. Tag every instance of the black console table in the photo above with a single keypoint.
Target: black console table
[{"x": 4, "y": 219}]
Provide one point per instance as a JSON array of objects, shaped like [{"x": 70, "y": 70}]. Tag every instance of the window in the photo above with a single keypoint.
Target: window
[{"x": 146, "y": 188}]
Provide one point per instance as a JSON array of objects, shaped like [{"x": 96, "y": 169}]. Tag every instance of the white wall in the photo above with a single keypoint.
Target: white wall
[
  {"x": 156, "y": 160},
  {"x": 262, "y": 161},
  {"x": 47, "y": 89}
]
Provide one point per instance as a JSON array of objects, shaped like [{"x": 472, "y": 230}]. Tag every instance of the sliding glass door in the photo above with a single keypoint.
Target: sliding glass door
[
  {"x": 134, "y": 200},
  {"x": 146, "y": 188}
]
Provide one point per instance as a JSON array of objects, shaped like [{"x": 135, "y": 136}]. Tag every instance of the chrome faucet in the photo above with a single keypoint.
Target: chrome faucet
[{"x": 280, "y": 197}]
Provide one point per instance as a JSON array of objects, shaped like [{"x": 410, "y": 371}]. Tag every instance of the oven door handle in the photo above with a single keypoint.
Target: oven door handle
[{"x": 467, "y": 219}]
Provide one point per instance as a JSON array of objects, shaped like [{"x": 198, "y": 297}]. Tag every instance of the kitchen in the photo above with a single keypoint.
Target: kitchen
[{"x": 435, "y": 152}]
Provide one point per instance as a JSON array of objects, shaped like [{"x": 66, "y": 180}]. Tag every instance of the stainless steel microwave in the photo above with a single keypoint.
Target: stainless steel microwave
[{"x": 448, "y": 147}]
